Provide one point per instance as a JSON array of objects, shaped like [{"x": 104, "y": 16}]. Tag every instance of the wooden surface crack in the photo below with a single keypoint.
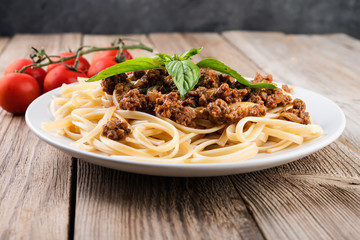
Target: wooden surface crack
[{"x": 250, "y": 210}]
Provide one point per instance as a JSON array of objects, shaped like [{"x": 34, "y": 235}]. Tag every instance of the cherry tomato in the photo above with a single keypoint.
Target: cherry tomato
[
  {"x": 100, "y": 65},
  {"x": 37, "y": 73},
  {"x": 83, "y": 63},
  {"x": 17, "y": 91},
  {"x": 56, "y": 77},
  {"x": 110, "y": 53}
]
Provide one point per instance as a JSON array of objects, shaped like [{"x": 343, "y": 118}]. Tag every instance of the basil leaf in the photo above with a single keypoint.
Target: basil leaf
[
  {"x": 136, "y": 64},
  {"x": 176, "y": 57},
  {"x": 187, "y": 55},
  {"x": 164, "y": 57},
  {"x": 159, "y": 61},
  {"x": 185, "y": 75},
  {"x": 221, "y": 67}
]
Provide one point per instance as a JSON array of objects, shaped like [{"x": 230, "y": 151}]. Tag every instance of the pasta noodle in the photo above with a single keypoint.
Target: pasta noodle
[{"x": 82, "y": 109}]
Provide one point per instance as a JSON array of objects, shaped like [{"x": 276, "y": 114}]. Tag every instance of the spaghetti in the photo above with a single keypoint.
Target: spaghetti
[{"x": 82, "y": 110}]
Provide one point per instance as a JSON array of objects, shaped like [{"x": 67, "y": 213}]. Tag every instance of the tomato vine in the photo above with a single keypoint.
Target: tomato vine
[{"x": 41, "y": 59}]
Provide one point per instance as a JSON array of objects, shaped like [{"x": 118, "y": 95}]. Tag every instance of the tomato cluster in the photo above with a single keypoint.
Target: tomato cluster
[
  {"x": 105, "y": 59},
  {"x": 18, "y": 90}
]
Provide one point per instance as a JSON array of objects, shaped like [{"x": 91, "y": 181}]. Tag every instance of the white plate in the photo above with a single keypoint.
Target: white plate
[{"x": 322, "y": 110}]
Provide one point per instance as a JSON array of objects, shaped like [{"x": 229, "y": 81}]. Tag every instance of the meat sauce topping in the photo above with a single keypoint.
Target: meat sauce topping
[
  {"x": 217, "y": 98},
  {"x": 116, "y": 129}
]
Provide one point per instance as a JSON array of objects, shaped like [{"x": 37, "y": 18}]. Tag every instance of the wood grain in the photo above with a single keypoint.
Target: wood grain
[
  {"x": 34, "y": 177},
  {"x": 116, "y": 205},
  {"x": 337, "y": 47},
  {"x": 3, "y": 42},
  {"x": 316, "y": 197}
]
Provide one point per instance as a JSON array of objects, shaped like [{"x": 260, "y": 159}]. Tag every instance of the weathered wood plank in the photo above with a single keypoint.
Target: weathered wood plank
[
  {"x": 116, "y": 205},
  {"x": 34, "y": 177},
  {"x": 337, "y": 47},
  {"x": 3, "y": 42},
  {"x": 296, "y": 206},
  {"x": 317, "y": 196}
]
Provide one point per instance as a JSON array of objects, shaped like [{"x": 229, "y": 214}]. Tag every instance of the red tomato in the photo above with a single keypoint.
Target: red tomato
[
  {"x": 110, "y": 53},
  {"x": 100, "y": 65},
  {"x": 83, "y": 63},
  {"x": 56, "y": 77},
  {"x": 37, "y": 73},
  {"x": 17, "y": 91}
]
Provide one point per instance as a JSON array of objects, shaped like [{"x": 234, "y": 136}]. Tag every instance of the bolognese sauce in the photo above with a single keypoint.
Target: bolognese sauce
[{"x": 216, "y": 98}]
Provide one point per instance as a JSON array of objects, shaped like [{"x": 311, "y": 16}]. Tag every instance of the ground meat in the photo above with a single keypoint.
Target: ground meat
[
  {"x": 271, "y": 98},
  {"x": 212, "y": 79},
  {"x": 232, "y": 82},
  {"x": 217, "y": 97},
  {"x": 258, "y": 78},
  {"x": 286, "y": 88},
  {"x": 217, "y": 111},
  {"x": 245, "y": 109},
  {"x": 116, "y": 129},
  {"x": 133, "y": 76},
  {"x": 299, "y": 104},
  {"x": 198, "y": 97},
  {"x": 108, "y": 84},
  {"x": 135, "y": 101},
  {"x": 157, "y": 79},
  {"x": 144, "y": 80},
  {"x": 229, "y": 95},
  {"x": 208, "y": 78},
  {"x": 169, "y": 106},
  {"x": 256, "y": 99},
  {"x": 201, "y": 113},
  {"x": 120, "y": 91},
  {"x": 297, "y": 113},
  {"x": 222, "y": 113},
  {"x": 277, "y": 99},
  {"x": 202, "y": 96},
  {"x": 153, "y": 95}
]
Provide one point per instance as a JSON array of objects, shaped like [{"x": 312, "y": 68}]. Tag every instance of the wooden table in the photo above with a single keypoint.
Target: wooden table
[{"x": 46, "y": 194}]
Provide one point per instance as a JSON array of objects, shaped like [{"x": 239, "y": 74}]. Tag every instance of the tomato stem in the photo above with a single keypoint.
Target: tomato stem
[{"x": 81, "y": 52}]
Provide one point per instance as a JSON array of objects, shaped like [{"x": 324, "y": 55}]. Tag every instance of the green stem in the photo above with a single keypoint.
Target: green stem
[{"x": 92, "y": 49}]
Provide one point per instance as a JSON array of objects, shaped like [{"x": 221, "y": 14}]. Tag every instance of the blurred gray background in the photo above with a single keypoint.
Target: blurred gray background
[{"x": 143, "y": 16}]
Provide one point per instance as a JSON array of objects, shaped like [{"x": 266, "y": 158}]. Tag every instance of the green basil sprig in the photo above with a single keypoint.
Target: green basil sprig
[
  {"x": 221, "y": 67},
  {"x": 185, "y": 75},
  {"x": 136, "y": 64},
  {"x": 184, "y": 72}
]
